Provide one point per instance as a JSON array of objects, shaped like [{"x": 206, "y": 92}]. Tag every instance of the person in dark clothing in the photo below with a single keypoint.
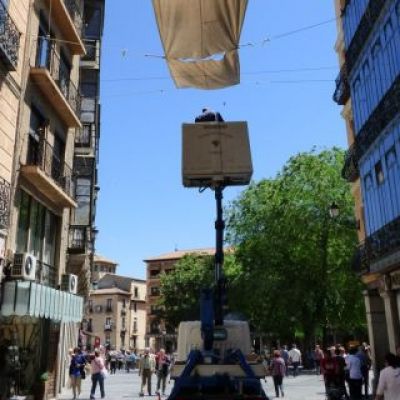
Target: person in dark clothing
[
  {"x": 341, "y": 372},
  {"x": 209, "y": 116}
]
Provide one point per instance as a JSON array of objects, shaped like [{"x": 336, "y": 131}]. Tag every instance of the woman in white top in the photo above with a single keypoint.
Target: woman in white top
[{"x": 389, "y": 380}]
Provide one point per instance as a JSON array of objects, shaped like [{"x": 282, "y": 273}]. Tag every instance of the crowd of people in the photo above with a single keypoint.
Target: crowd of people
[
  {"x": 103, "y": 362},
  {"x": 345, "y": 373}
]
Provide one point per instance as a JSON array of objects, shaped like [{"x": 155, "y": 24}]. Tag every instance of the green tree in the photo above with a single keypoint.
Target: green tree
[
  {"x": 181, "y": 288},
  {"x": 296, "y": 260}
]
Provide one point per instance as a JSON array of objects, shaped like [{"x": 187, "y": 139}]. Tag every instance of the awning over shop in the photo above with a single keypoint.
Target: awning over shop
[
  {"x": 24, "y": 298},
  {"x": 200, "y": 39}
]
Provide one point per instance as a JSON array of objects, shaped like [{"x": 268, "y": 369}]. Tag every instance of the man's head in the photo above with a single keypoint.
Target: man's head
[
  {"x": 162, "y": 351},
  {"x": 294, "y": 346},
  {"x": 146, "y": 351}
]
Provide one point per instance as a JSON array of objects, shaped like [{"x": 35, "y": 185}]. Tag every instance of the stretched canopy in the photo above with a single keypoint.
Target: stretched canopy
[{"x": 200, "y": 39}]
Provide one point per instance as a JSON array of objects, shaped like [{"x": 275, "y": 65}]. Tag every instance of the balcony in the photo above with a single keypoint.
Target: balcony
[
  {"x": 51, "y": 74},
  {"x": 67, "y": 16},
  {"x": 49, "y": 174},
  {"x": 381, "y": 250},
  {"x": 5, "y": 191},
  {"x": 350, "y": 170},
  {"x": 92, "y": 55},
  {"x": 108, "y": 327},
  {"x": 9, "y": 40},
  {"x": 342, "y": 91},
  {"x": 78, "y": 238},
  {"x": 109, "y": 309}
]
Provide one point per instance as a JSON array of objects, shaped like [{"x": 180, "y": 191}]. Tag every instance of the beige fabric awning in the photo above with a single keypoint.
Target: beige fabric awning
[{"x": 200, "y": 39}]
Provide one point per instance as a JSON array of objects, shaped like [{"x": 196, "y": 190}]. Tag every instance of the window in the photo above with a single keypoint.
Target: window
[
  {"x": 123, "y": 303},
  {"x": 135, "y": 324},
  {"x": 154, "y": 272},
  {"x": 93, "y": 21},
  {"x": 155, "y": 291},
  {"x": 391, "y": 157},
  {"x": 36, "y": 233},
  {"x": 82, "y": 137},
  {"x": 109, "y": 304},
  {"x": 133, "y": 305},
  {"x": 123, "y": 322},
  {"x": 108, "y": 321},
  {"x": 368, "y": 181},
  {"x": 388, "y": 29},
  {"x": 82, "y": 196},
  {"x": 379, "y": 175},
  {"x": 107, "y": 337},
  {"x": 376, "y": 48},
  {"x": 136, "y": 291}
]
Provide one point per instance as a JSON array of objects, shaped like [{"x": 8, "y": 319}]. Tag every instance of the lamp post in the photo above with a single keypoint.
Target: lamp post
[{"x": 333, "y": 213}]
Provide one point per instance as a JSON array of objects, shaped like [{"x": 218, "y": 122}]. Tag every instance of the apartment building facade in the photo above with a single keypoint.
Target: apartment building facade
[
  {"x": 101, "y": 267},
  {"x": 368, "y": 87},
  {"x": 41, "y": 47},
  {"x": 158, "y": 332},
  {"x": 115, "y": 314}
]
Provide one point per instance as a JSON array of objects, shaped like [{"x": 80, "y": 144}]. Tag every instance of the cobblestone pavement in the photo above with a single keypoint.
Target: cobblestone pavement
[{"x": 122, "y": 386}]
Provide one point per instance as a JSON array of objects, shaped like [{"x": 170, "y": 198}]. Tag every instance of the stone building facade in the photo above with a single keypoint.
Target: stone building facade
[
  {"x": 116, "y": 313},
  {"x": 158, "y": 333},
  {"x": 42, "y": 49}
]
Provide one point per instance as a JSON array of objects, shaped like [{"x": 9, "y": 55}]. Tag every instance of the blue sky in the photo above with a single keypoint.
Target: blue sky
[{"x": 143, "y": 209}]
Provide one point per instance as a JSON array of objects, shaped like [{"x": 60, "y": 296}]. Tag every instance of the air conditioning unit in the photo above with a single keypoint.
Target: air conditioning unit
[
  {"x": 69, "y": 283},
  {"x": 24, "y": 266}
]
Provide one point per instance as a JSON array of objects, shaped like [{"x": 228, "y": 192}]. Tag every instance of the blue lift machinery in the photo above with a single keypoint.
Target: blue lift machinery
[{"x": 212, "y": 355}]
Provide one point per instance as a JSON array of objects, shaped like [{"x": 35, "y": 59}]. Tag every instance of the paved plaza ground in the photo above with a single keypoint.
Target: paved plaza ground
[{"x": 122, "y": 386}]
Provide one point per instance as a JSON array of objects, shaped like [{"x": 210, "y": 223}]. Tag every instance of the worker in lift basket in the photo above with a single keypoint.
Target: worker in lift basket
[{"x": 209, "y": 115}]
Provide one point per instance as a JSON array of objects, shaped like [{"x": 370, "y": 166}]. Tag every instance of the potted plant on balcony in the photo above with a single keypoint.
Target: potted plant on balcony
[{"x": 40, "y": 386}]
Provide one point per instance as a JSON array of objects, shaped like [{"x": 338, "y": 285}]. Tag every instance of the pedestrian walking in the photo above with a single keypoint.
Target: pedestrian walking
[
  {"x": 329, "y": 370},
  {"x": 318, "y": 357},
  {"x": 98, "y": 374},
  {"x": 389, "y": 380},
  {"x": 278, "y": 371},
  {"x": 113, "y": 361},
  {"x": 163, "y": 363},
  {"x": 76, "y": 365},
  {"x": 365, "y": 359},
  {"x": 353, "y": 365},
  {"x": 295, "y": 359},
  {"x": 341, "y": 371},
  {"x": 285, "y": 356},
  {"x": 147, "y": 366}
]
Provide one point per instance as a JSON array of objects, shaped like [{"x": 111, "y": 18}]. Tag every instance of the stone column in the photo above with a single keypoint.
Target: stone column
[
  {"x": 377, "y": 330},
  {"x": 392, "y": 318}
]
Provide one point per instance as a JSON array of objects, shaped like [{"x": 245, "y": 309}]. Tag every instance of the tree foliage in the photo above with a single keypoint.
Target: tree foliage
[
  {"x": 181, "y": 288},
  {"x": 291, "y": 269},
  {"x": 296, "y": 260}
]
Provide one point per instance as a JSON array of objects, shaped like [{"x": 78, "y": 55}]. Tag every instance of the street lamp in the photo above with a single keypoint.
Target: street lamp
[{"x": 334, "y": 210}]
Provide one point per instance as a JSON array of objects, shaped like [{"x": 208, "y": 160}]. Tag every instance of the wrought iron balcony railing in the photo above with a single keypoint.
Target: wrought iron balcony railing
[
  {"x": 50, "y": 59},
  {"x": 350, "y": 170},
  {"x": 42, "y": 155},
  {"x": 75, "y": 11},
  {"x": 78, "y": 238},
  {"x": 108, "y": 327},
  {"x": 9, "y": 39},
  {"x": 382, "y": 243},
  {"x": 92, "y": 50},
  {"x": 5, "y": 191},
  {"x": 342, "y": 91}
]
